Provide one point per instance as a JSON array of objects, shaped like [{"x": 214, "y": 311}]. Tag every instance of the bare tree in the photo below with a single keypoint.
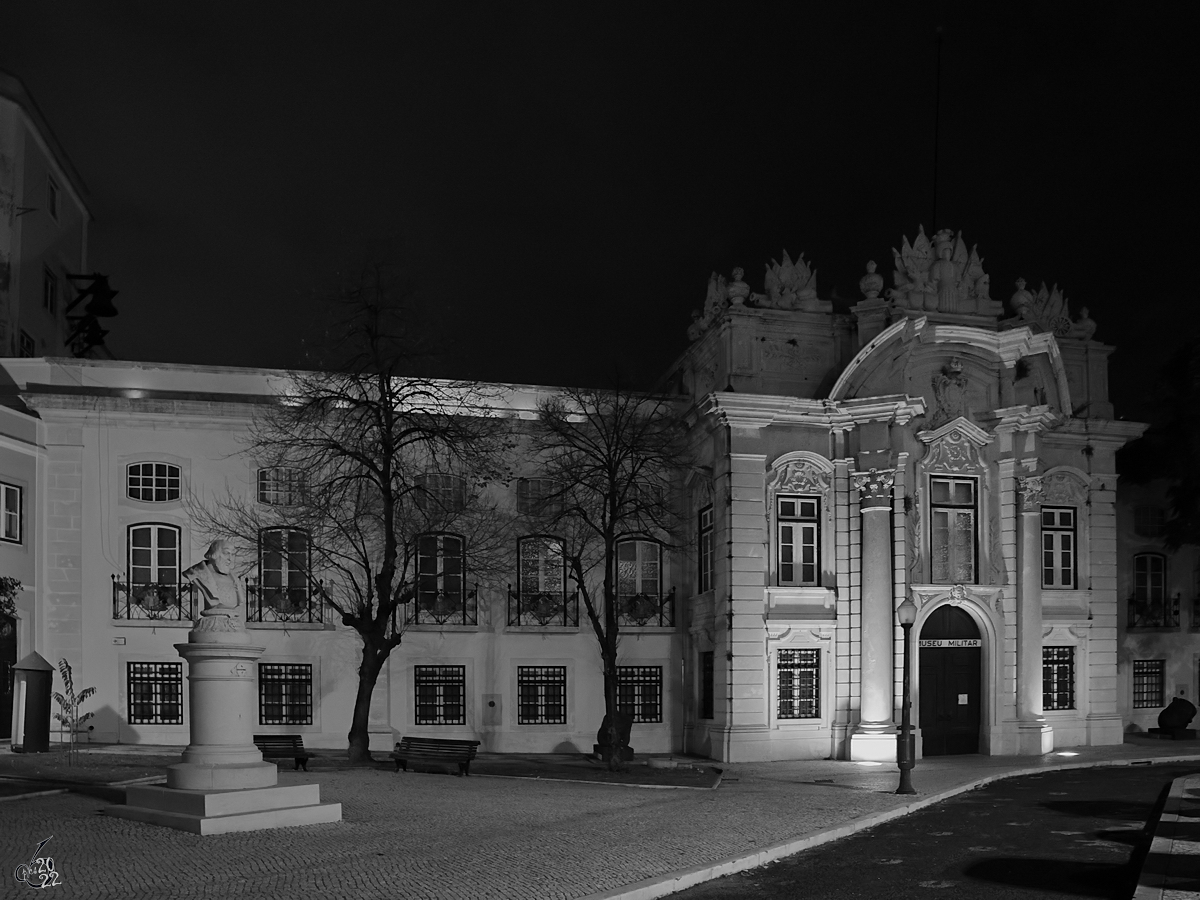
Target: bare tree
[
  {"x": 383, "y": 478},
  {"x": 614, "y": 461}
]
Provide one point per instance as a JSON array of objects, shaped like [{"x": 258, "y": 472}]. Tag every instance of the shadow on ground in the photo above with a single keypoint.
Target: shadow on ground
[{"x": 1067, "y": 876}]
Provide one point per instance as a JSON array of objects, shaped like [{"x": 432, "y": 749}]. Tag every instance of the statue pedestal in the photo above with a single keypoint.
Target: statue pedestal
[{"x": 222, "y": 783}]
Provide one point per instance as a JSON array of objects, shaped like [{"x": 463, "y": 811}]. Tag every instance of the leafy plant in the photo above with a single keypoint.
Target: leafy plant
[
  {"x": 69, "y": 703},
  {"x": 9, "y": 588}
]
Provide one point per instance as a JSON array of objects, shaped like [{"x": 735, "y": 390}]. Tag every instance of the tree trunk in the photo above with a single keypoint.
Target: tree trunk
[{"x": 368, "y": 673}]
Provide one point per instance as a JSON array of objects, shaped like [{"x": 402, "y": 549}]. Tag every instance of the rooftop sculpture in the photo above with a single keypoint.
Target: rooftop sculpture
[{"x": 941, "y": 276}]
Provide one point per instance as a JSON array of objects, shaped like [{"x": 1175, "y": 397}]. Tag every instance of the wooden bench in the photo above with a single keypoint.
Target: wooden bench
[
  {"x": 283, "y": 746},
  {"x": 435, "y": 750}
]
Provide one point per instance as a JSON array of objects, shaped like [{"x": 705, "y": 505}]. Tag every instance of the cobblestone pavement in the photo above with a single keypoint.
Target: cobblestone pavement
[{"x": 413, "y": 835}]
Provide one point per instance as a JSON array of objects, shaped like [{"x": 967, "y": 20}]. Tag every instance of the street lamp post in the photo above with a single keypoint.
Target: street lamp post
[{"x": 907, "y": 613}]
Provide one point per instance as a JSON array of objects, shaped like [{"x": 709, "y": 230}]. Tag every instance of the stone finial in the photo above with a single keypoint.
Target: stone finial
[{"x": 871, "y": 283}]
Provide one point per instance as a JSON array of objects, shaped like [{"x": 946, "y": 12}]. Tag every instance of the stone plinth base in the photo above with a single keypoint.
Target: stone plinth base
[
  {"x": 188, "y": 776},
  {"x": 873, "y": 746},
  {"x": 1034, "y": 739},
  {"x": 221, "y": 812}
]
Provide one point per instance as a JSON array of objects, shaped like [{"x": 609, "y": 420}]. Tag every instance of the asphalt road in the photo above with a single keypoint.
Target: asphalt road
[{"x": 1060, "y": 834}]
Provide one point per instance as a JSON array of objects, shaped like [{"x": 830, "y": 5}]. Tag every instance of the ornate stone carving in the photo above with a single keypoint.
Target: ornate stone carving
[
  {"x": 715, "y": 303},
  {"x": 800, "y": 476},
  {"x": 954, "y": 447},
  {"x": 958, "y": 595},
  {"x": 999, "y": 604},
  {"x": 943, "y": 276},
  {"x": 995, "y": 549},
  {"x": 789, "y": 285},
  {"x": 871, "y": 283},
  {"x": 949, "y": 393},
  {"x": 1047, "y": 310},
  {"x": 1062, "y": 488},
  {"x": 1032, "y": 493},
  {"x": 874, "y": 487},
  {"x": 738, "y": 290},
  {"x": 916, "y": 561},
  {"x": 1084, "y": 327}
]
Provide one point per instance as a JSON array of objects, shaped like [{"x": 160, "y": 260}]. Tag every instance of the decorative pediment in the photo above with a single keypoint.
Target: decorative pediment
[
  {"x": 1063, "y": 489},
  {"x": 955, "y": 446},
  {"x": 793, "y": 633},
  {"x": 981, "y": 596},
  {"x": 801, "y": 475}
]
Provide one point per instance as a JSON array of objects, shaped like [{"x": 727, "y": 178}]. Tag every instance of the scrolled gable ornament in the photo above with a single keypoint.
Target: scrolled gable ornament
[
  {"x": 953, "y": 452},
  {"x": 1064, "y": 489},
  {"x": 800, "y": 476}
]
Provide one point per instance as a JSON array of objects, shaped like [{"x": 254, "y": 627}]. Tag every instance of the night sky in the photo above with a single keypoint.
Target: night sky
[{"x": 559, "y": 180}]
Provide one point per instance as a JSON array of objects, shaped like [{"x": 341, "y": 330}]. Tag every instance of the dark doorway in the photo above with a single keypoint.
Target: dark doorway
[
  {"x": 8, "y": 659},
  {"x": 949, "y": 656}
]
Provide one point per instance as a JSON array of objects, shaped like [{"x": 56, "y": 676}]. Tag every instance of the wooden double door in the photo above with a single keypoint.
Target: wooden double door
[
  {"x": 8, "y": 659},
  {"x": 949, "y": 658}
]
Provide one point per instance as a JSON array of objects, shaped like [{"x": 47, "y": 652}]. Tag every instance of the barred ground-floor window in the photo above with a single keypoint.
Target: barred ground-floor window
[
  {"x": 1149, "y": 677},
  {"x": 440, "y": 693},
  {"x": 1058, "y": 678},
  {"x": 541, "y": 695},
  {"x": 799, "y": 676},
  {"x": 639, "y": 692},
  {"x": 285, "y": 694},
  {"x": 155, "y": 693}
]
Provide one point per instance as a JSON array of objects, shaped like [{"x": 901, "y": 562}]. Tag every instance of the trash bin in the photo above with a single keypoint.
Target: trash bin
[{"x": 33, "y": 679}]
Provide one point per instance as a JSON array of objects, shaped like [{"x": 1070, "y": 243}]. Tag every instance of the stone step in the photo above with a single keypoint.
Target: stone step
[
  {"x": 246, "y": 821},
  {"x": 221, "y": 803}
]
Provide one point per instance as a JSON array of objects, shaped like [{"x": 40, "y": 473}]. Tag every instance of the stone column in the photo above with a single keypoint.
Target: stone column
[
  {"x": 1034, "y": 736},
  {"x": 874, "y": 738}
]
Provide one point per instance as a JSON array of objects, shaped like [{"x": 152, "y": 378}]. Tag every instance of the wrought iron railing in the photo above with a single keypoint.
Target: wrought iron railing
[
  {"x": 444, "y": 609},
  {"x": 543, "y": 609},
  {"x": 163, "y": 601},
  {"x": 646, "y": 609},
  {"x": 280, "y": 604},
  {"x": 1163, "y": 613}
]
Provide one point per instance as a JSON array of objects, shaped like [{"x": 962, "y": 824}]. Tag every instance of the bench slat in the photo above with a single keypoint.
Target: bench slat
[
  {"x": 435, "y": 750},
  {"x": 283, "y": 746}
]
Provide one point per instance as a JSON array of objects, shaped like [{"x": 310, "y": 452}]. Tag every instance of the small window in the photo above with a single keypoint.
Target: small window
[
  {"x": 639, "y": 692},
  {"x": 10, "y": 509},
  {"x": 280, "y": 486},
  {"x": 952, "y": 535},
  {"x": 1058, "y": 678},
  {"x": 707, "y": 685},
  {"x": 537, "y": 497},
  {"x": 799, "y": 684},
  {"x": 283, "y": 567},
  {"x": 543, "y": 569},
  {"x": 1058, "y": 548},
  {"x": 1149, "y": 677},
  {"x": 1149, "y": 521},
  {"x": 441, "y": 493},
  {"x": 49, "y": 291},
  {"x": 541, "y": 695},
  {"x": 440, "y": 570},
  {"x": 440, "y": 692},
  {"x": 153, "y": 482},
  {"x": 155, "y": 693},
  {"x": 26, "y": 347},
  {"x": 704, "y": 551},
  {"x": 154, "y": 556},
  {"x": 285, "y": 694},
  {"x": 797, "y": 524},
  {"x": 52, "y": 197},
  {"x": 1149, "y": 578},
  {"x": 639, "y": 567}
]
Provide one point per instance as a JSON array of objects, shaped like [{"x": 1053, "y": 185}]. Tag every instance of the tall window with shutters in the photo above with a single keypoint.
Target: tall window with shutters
[
  {"x": 953, "y": 539},
  {"x": 797, "y": 528}
]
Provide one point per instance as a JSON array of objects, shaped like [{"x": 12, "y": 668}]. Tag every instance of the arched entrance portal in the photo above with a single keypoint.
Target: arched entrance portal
[{"x": 949, "y": 664}]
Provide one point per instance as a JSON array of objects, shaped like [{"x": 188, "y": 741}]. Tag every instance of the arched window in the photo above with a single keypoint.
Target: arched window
[
  {"x": 154, "y": 555},
  {"x": 152, "y": 482},
  {"x": 442, "y": 597}
]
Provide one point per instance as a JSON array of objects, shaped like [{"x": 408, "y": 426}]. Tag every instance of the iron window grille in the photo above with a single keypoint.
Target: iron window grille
[
  {"x": 1058, "y": 678},
  {"x": 280, "y": 485},
  {"x": 1058, "y": 548},
  {"x": 799, "y": 684},
  {"x": 440, "y": 493},
  {"x": 1149, "y": 678},
  {"x": 704, "y": 551},
  {"x": 165, "y": 602},
  {"x": 284, "y": 589},
  {"x": 541, "y": 596},
  {"x": 639, "y": 692},
  {"x": 541, "y": 695},
  {"x": 797, "y": 524},
  {"x": 707, "y": 683},
  {"x": 26, "y": 347},
  {"x": 442, "y": 594},
  {"x": 10, "y": 513},
  {"x": 285, "y": 694},
  {"x": 1150, "y": 606},
  {"x": 153, "y": 482},
  {"x": 155, "y": 693},
  {"x": 952, "y": 534},
  {"x": 439, "y": 695}
]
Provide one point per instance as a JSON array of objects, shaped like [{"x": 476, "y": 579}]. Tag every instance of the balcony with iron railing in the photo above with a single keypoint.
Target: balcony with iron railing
[
  {"x": 288, "y": 605},
  {"x": 444, "y": 608},
  {"x": 646, "y": 610},
  {"x": 1162, "y": 612},
  {"x": 542, "y": 609},
  {"x": 153, "y": 601}
]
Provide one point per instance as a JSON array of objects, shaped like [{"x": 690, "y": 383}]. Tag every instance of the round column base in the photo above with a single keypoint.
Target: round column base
[{"x": 191, "y": 776}]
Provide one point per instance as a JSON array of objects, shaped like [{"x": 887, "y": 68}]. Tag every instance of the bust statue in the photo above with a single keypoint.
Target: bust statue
[
  {"x": 219, "y": 588},
  {"x": 737, "y": 289},
  {"x": 1084, "y": 327},
  {"x": 871, "y": 283},
  {"x": 1021, "y": 300}
]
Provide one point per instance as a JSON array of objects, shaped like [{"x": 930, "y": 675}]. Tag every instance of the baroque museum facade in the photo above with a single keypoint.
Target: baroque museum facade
[{"x": 932, "y": 444}]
